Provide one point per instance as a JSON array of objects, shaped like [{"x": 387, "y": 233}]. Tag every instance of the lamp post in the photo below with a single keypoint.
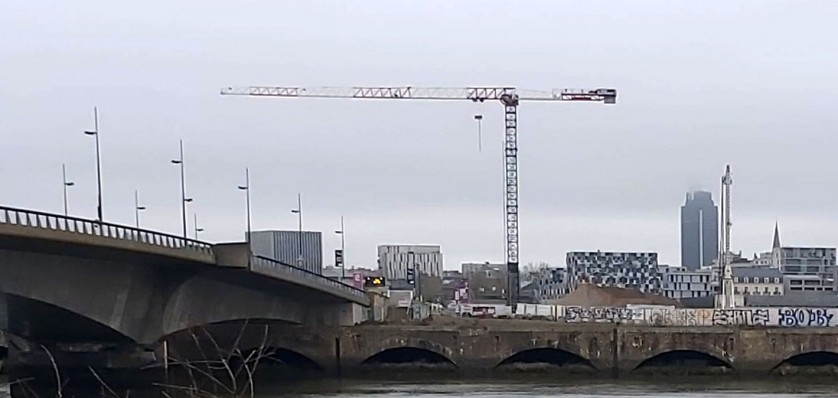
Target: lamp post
[
  {"x": 66, "y": 185},
  {"x": 246, "y": 189},
  {"x": 137, "y": 208},
  {"x": 95, "y": 133},
  {"x": 184, "y": 200},
  {"x": 342, "y": 234},
  {"x": 195, "y": 225},
  {"x": 299, "y": 212}
]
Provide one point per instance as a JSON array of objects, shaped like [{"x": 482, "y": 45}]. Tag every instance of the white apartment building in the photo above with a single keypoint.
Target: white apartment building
[
  {"x": 757, "y": 281},
  {"x": 395, "y": 260}
]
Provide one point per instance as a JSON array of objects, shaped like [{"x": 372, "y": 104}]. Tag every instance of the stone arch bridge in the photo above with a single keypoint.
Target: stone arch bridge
[{"x": 595, "y": 348}]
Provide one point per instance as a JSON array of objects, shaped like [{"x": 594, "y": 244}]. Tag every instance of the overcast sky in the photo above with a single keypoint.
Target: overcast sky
[{"x": 701, "y": 84}]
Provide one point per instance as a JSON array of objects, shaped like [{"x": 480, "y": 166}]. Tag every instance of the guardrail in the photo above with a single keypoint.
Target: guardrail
[
  {"x": 55, "y": 222},
  {"x": 280, "y": 267}
]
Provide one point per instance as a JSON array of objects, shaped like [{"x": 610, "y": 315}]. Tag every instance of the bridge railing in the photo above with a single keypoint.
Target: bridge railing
[
  {"x": 55, "y": 222},
  {"x": 278, "y": 267}
]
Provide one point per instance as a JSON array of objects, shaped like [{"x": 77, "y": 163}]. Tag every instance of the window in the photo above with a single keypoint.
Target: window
[
  {"x": 735, "y": 290},
  {"x": 746, "y": 279},
  {"x": 776, "y": 280},
  {"x": 765, "y": 280}
]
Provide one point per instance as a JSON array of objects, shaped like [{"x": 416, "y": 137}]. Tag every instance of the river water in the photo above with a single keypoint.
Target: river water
[
  {"x": 693, "y": 387},
  {"x": 664, "y": 387}
]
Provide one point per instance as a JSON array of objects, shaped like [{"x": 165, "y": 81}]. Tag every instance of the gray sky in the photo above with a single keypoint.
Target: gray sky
[{"x": 701, "y": 84}]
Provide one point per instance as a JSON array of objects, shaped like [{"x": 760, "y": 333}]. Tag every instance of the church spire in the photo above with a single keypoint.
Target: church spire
[{"x": 776, "y": 236}]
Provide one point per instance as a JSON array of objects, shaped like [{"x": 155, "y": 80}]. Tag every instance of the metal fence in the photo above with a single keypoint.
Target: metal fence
[
  {"x": 277, "y": 268},
  {"x": 36, "y": 219}
]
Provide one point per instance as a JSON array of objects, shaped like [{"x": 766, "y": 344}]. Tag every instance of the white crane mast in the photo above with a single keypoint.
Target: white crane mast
[
  {"x": 726, "y": 299},
  {"x": 509, "y": 97}
]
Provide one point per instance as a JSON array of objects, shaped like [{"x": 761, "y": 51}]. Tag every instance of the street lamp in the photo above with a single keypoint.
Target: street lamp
[
  {"x": 342, "y": 249},
  {"x": 299, "y": 212},
  {"x": 197, "y": 230},
  {"x": 95, "y": 133},
  {"x": 246, "y": 189},
  {"x": 137, "y": 208},
  {"x": 184, "y": 199},
  {"x": 65, "y": 186},
  {"x": 479, "y": 119}
]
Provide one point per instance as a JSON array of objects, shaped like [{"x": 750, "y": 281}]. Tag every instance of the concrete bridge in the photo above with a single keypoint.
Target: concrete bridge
[
  {"x": 513, "y": 345},
  {"x": 79, "y": 285}
]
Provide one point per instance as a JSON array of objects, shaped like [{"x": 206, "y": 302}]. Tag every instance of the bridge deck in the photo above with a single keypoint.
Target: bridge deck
[{"x": 21, "y": 225}]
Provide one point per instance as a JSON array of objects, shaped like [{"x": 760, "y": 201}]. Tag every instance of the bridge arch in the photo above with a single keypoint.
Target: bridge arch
[
  {"x": 683, "y": 359},
  {"x": 410, "y": 350},
  {"x": 811, "y": 360},
  {"x": 546, "y": 356},
  {"x": 44, "y": 322},
  {"x": 187, "y": 307},
  {"x": 270, "y": 356},
  {"x": 278, "y": 340},
  {"x": 556, "y": 350}
]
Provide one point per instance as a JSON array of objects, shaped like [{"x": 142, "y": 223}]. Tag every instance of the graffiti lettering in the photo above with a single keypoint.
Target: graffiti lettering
[
  {"x": 670, "y": 316},
  {"x": 597, "y": 314},
  {"x": 744, "y": 317},
  {"x": 797, "y": 317}
]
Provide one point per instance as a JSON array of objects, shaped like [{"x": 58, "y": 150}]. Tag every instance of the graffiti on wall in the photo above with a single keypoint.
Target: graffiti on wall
[
  {"x": 741, "y": 317},
  {"x": 670, "y": 316},
  {"x": 598, "y": 314},
  {"x": 803, "y": 317}
]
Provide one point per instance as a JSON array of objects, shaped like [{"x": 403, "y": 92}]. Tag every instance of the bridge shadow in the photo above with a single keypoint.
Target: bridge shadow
[
  {"x": 409, "y": 357},
  {"x": 242, "y": 347},
  {"x": 546, "y": 359},
  {"x": 808, "y": 363},
  {"x": 683, "y": 362}
]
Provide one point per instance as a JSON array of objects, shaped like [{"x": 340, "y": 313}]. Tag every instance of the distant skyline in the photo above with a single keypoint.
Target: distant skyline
[{"x": 701, "y": 84}]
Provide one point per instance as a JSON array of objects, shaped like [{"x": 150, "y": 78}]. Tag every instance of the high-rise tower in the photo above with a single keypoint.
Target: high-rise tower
[{"x": 699, "y": 230}]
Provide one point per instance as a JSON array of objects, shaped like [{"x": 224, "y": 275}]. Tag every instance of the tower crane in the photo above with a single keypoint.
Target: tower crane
[{"x": 509, "y": 97}]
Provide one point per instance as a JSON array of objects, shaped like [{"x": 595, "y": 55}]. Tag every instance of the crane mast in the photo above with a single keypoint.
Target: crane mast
[
  {"x": 726, "y": 299},
  {"x": 509, "y": 97}
]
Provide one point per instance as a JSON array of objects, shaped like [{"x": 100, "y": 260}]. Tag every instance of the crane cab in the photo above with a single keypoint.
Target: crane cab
[{"x": 609, "y": 95}]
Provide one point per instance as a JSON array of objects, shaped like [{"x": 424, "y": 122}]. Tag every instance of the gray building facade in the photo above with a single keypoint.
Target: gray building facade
[
  {"x": 680, "y": 283},
  {"x": 618, "y": 269},
  {"x": 546, "y": 285},
  {"x": 395, "y": 260},
  {"x": 699, "y": 230},
  {"x": 806, "y": 268},
  {"x": 486, "y": 282},
  {"x": 285, "y": 247}
]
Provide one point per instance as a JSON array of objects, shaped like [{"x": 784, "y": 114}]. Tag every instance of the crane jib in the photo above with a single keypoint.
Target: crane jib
[{"x": 508, "y": 96}]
